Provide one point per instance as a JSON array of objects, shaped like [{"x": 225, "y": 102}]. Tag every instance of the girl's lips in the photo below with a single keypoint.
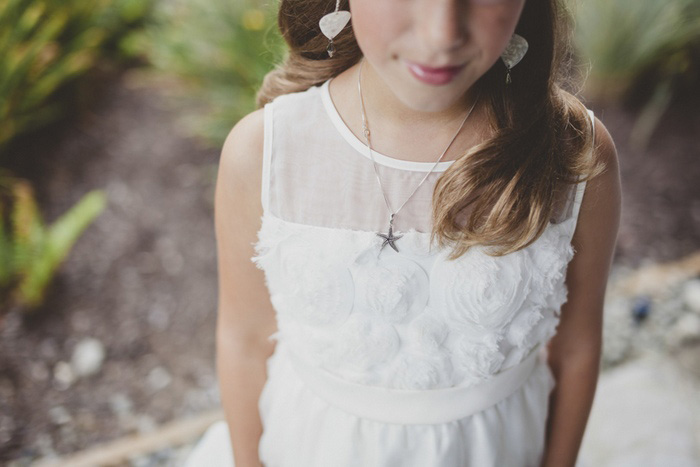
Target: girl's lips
[{"x": 435, "y": 76}]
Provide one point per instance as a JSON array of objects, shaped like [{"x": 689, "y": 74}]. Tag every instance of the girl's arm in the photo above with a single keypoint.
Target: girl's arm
[
  {"x": 245, "y": 315},
  {"x": 574, "y": 352}
]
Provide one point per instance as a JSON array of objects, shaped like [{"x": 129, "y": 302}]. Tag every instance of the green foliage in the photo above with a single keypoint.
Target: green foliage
[
  {"x": 624, "y": 40},
  {"x": 642, "y": 44},
  {"x": 221, "y": 49},
  {"x": 30, "y": 251},
  {"x": 44, "y": 45}
]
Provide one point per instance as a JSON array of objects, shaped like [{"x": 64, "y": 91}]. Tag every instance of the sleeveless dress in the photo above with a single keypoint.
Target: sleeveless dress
[{"x": 385, "y": 358}]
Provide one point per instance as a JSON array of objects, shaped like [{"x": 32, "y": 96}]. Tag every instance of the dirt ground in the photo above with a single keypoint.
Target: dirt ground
[{"x": 142, "y": 279}]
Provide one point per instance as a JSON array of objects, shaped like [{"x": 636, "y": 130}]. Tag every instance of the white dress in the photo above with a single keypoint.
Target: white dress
[{"x": 391, "y": 358}]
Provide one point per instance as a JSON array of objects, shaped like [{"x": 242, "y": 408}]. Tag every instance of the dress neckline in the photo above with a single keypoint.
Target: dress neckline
[{"x": 363, "y": 149}]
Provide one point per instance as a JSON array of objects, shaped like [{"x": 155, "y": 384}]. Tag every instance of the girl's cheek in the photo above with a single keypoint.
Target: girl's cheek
[
  {"x": 496, "y": 14},
  {"x": 377, "y": 24},
  {"x": 493, "y": 26}
]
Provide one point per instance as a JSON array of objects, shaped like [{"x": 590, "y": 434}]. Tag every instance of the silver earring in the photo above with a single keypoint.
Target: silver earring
[
  {"x": 332, "y": 23},
  {"x": 513, "y": 53}
]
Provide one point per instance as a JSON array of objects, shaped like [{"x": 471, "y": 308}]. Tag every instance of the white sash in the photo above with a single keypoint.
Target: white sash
[{"x": 408, "y": 406}]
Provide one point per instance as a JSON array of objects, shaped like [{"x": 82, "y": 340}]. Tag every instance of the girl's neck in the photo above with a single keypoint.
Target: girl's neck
[
  {"x": 381, "y": 100},
  {"x": 400, "y": 131}
]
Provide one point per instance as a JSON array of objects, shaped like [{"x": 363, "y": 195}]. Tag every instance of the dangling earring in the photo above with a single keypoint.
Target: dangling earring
[
  {"x": 332, "y": 23},
  {"x": 513, "y": 53}
]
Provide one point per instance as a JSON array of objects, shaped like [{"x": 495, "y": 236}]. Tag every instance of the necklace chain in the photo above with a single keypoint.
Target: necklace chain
[{"x": 389, "y": 238}]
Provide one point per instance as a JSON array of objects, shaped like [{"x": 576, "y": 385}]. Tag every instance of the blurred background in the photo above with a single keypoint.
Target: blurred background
[{"x": 112, "y": 118}]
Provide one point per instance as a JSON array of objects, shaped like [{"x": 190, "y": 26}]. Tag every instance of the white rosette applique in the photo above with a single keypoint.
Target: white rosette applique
[
  {"x": 390, "y": 285},
  {"x": 427, "y": 332},
  {"x": 411, "y": 370},
  {"x": 424, "y": 362},
  {"x": 551, "y": 254},
  {"x": 542, "y": 332},
  {"x": 360, "y": 344},
  {"x": 272, "y": 232},
  {"x": 416, "y": 243},
  {"x": 316, "y": 287},
  {"x": 314, "y": 345},
  {"x": 322, "y": 295},
  {"x": 521, "y": 335},
  {"x": 522, "y": 324},
  {"x": 477, "y": 356},
  {"x": 477, "y": 290}
]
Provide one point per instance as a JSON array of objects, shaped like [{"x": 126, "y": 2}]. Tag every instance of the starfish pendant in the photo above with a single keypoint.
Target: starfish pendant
[{"x": 389, "y": 238}]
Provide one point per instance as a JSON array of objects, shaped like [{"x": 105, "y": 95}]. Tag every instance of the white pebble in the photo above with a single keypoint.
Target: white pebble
[
  {"x": 691, "y": 295},
  {"x": 59, "y": 415},
  {"x": 158, "y": 378},
  {"x": 120, "y": 404},
  {"x": 88, "y": 356},
  {"x": 146, "y": 424},
  {"x": 63, "y": 374},
  {"x": 687, "y": 328}
]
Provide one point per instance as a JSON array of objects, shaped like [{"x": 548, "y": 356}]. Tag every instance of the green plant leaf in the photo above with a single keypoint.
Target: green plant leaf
[{"x": 58, "y": 241}]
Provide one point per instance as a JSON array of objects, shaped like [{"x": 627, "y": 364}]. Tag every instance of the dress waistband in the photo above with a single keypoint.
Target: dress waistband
[{"x": 415, "y": 406}]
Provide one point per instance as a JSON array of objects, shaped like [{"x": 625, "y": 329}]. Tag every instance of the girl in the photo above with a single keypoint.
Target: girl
[{"x": 431, "y": 274}]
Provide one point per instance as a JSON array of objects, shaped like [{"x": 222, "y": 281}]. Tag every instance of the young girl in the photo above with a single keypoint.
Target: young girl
[{"x": 427, "y": 276}]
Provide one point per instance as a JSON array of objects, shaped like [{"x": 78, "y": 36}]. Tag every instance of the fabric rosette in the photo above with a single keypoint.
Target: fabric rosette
[
  {"x": 389, "y": 285},
  {"x": 551, "y": 254},
  {"x": 314, "y": 345},
  {"x": 477, "y": 356},
  {"x": 480, "y": 291},
  {"x": 315, "y": 285},
  {"x": 271, "y": 233},
  {"x": 415, "y": 370},
  {"x": 321, "y": 296},
  {"x": 424, "y": 362},
  {"x": 523, "y": 323},
  {"x": 427, "y": 332},
  {"x": 359, "y": 344},
  {"x": 541, "y": 332}
]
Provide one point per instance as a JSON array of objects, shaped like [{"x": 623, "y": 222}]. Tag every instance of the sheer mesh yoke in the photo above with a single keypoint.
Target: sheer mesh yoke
[
  {"x": 321, "y": 174},
  {"x": 317, "y": 172}
]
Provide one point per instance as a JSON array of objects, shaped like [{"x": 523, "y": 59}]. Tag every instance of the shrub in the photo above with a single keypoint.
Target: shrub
[
  {"x": 220, "y": 50},
  {"x": 45, "y": 45},
  {"x": 647, "y": 45},
  {"x": 30, "y": 251}
]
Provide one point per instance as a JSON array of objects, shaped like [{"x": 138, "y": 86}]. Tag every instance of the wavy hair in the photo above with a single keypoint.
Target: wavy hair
[{"x": 541, "y": 133}]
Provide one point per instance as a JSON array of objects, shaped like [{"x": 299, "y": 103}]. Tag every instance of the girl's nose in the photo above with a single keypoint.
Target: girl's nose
[{"x": 442, "y": 23}]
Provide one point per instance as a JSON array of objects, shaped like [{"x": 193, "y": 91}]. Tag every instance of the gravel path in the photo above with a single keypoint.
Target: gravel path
[{"x": 141, "y": 281}]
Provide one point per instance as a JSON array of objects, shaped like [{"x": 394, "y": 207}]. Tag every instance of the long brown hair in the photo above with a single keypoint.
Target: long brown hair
[{"x": 541, "y": 131}]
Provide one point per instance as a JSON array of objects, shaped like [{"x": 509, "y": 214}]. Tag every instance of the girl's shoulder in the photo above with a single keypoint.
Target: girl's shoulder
[
  {"x": 604, "y": 146},
  {"x": 602, "y": 201},
  {"x": 243, "y": 149},
  {"x": 604, "y": 151},
  {"x": 241, "y": 154},
  {"x": 238, "y": 183},
  {"x": 296, "y": 99}
]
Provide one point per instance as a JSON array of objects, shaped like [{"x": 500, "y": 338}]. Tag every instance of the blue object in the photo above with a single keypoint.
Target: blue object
[{"x": 641, "y": 308}]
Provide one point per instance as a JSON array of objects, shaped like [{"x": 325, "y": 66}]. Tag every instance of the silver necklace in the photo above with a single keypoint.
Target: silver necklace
[{"x": 390, "y": 238}]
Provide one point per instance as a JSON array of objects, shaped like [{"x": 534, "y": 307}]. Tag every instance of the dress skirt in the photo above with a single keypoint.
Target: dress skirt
[{"x": 300, "y": 428}]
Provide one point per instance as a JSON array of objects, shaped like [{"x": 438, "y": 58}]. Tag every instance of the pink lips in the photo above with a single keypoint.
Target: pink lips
[{"x": 435, "y": 76}]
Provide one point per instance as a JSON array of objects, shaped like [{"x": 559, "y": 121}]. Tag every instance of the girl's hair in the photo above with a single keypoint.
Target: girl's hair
[{"x": 541, "y": 132}]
